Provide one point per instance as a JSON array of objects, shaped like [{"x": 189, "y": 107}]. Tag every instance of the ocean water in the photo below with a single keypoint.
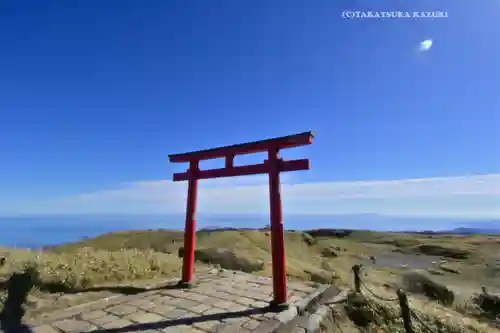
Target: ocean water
[{"x": 39, "y": 231}]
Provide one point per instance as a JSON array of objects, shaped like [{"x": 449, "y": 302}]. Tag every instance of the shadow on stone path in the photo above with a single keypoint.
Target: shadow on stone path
[
  {"x": 18, "y": 286},
  {"x": 186, "y": 321},
  {"x": 125, "y": 290}
]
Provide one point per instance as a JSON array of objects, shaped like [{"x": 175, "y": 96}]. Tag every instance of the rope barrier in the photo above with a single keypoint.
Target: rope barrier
[
  {"x": 420, "y": 321},
  {"x": 378, "y": 312},
  {"x": 403, "y": 303},
  {"x": 378, "y": 296},
  {"x": 374, "y": 308}
]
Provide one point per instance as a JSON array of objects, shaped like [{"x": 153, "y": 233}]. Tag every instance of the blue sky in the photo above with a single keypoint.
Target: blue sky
[{"x": 95, "y": 95}]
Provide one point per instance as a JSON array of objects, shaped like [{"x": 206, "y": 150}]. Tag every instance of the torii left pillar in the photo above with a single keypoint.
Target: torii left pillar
[
  {"x": 273, "y": 166},
  {"x": 190, "y": 227}
]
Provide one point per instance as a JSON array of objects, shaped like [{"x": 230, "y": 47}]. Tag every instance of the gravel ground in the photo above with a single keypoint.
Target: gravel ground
[{"x": 397, "y": 260}]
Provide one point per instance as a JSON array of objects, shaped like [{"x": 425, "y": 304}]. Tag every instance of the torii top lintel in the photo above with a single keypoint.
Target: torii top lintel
[
  {"x": 289, "y": 141},
  {"x": 229, "y": 152}
]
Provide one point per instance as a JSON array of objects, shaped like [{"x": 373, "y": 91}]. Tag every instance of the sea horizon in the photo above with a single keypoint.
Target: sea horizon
[{"x": 36, "y": 231}]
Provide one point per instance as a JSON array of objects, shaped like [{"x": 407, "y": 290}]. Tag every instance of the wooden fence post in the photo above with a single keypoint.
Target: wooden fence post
[
  {"x": 405, "y": 310},
  {"x": 357, "y": 280}
]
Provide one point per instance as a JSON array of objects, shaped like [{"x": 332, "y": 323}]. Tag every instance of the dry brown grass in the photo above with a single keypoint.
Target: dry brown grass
[
  {"x": 85, "y": 274},
  {"x": 439, "y": 318},
  {"x": 87, "y": 267}
]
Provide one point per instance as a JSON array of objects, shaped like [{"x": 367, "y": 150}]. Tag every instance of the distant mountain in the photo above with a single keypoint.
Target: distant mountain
[{"x": 473, "y": 231}]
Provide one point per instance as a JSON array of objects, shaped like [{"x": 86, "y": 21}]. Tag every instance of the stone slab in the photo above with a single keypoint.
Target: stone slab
[{"x": 221, "y": 301}]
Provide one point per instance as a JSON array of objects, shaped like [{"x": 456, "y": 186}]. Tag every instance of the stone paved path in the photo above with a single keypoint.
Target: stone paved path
[{"x": 223, "y": 301}]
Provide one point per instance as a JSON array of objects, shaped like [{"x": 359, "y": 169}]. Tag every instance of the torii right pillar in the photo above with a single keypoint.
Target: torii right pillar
[{"x": 277, "y": 229}]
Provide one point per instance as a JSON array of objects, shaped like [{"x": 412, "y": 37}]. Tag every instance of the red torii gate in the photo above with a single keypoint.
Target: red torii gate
[{"x": 272, "y": 166}]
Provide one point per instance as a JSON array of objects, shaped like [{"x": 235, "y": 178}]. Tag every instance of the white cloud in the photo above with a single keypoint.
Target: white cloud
[
  {"x": 425, "y": 45},
  {"x": 473, "y": 195}
]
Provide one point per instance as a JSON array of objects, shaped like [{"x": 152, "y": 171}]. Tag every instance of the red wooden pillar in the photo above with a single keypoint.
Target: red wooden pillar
[
  {"x": 277, "y": 230},
  {"x": 273, "y": 166},
  {"x": 190, "y": 227}
]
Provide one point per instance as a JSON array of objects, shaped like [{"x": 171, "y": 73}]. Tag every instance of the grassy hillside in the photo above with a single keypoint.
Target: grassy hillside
[{"x": 74, "y": 272}]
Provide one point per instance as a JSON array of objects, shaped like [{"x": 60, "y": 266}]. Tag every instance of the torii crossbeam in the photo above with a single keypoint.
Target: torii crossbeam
[{"x": 272, "y": 166}]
